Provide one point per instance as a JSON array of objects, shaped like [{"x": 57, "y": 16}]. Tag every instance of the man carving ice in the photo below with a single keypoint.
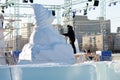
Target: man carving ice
[{"x": 71, "y": 36}]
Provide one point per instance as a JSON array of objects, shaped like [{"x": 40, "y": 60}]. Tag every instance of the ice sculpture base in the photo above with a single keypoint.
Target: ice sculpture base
[{"x": 55, "y": 71}]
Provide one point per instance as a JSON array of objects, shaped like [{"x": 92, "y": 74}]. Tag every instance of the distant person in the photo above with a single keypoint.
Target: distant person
[
  {"x": 6, "y": 59},
  {"x": 1, "y": 20},
  {"x": 88, "y": 51},
  {"x": 9, "y": 59},
  {"x": 71, "y": 36}
]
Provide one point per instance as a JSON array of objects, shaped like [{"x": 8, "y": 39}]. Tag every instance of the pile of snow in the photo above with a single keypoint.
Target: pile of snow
[{"x": 45, "y": 43}]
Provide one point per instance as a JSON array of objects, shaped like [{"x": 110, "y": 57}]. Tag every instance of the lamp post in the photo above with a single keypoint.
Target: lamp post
[
  {"x": 2, "y": 43},
  {"x": 16, "y": 12},
  {"x": 102, "y": 23}
]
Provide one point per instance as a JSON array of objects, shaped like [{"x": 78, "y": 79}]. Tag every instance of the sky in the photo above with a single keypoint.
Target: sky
[{"x": 112, "y": 12}]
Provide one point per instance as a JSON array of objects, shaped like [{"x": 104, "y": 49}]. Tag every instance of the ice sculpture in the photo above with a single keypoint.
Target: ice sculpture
[
  {"x": 50, "y": 71},
  {"x": 45, "y": 43}
]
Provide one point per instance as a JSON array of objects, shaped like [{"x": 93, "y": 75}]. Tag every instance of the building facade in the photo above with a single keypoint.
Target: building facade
[
  {"x": 116, "y": 42},
  {"x": 26, "y": 30},
  {"x": 118, "y": 29},
  {"x": 84, "y": 26},
  {"x": 95, "y": 42},
  {"x": 92, "y": 42}
]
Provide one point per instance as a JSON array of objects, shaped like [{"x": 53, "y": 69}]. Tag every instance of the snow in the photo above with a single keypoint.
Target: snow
[{"x": 45, "y": 43}]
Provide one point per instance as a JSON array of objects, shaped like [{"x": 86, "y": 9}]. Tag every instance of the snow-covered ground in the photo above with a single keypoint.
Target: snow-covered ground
[{"x": 115, "y": 56}]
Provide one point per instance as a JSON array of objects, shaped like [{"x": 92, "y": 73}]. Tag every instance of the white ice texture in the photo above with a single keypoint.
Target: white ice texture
[
  {"x": 55, "y": 71},
  {"x": 45, "y": 43}
]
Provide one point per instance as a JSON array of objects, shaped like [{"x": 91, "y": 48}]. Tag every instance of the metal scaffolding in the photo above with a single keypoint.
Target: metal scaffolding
[{"x": 67, "y": 14}]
